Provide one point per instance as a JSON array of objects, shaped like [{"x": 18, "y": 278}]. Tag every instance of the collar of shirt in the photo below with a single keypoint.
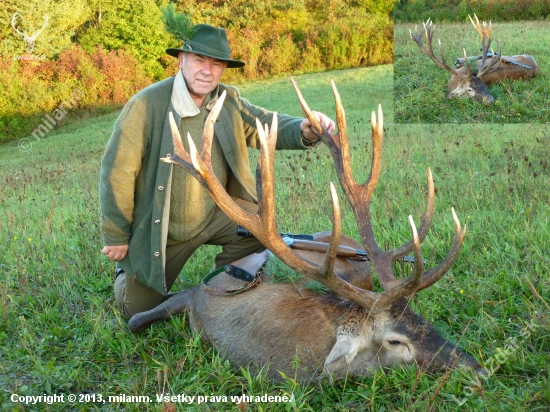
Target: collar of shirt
[{"x": 183, "y": 102}]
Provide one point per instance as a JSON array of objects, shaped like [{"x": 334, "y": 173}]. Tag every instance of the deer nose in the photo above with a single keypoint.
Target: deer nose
[{"x": 488, "y": 100}]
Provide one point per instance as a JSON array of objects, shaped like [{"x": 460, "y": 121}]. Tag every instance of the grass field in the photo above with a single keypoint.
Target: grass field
[
  {"x": 59, "y": 331},
  {"x": 421, "y": 86}
]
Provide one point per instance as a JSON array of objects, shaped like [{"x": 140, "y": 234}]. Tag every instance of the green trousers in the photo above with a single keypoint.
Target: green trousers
[{"x": 132, "y": 297}]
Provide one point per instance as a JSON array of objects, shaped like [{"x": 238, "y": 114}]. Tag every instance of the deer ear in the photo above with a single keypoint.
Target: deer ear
[{"x": 345, "y": 348}]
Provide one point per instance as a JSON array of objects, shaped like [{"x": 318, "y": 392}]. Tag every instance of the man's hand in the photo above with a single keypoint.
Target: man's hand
[
  {"x": 307, "y": 130},
  {"x": 116, "y": 253}
]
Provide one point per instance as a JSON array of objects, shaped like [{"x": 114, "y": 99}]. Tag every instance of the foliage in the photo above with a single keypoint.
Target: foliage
[
  {"x": 421, "y": 87},
  {"x": 454, "y": 11},
  {"x": 133, "y": 25},
  {"x": 177, "y": 24},
  {"x": 59, "y": 331},
  {"x": 273, "y": 37},
  {"x": 29, "y": 89}
]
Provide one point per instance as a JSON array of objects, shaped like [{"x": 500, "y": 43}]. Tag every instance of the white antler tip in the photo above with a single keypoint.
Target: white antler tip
[
  {"x": 455, "y": 218},
  {"x": 333, "y": 191},
  {"x": 193, "y": 153},
  {"x": 380, "y": 120},
  {"x": 413, "y": 228}
]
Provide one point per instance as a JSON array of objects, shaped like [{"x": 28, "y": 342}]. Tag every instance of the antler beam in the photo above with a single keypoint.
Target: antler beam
[
  {"x": 485, "y": 34},
  {"x": 262, "y": 224},
  {"x": 428, "y": 33}
]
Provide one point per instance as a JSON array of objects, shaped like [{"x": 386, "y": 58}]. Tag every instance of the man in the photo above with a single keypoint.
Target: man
[{"x": 154, "y": 215}]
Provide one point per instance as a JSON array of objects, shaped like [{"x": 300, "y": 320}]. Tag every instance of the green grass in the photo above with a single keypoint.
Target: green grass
[
  {"x": 421, "y": 86},
  {"x": 59, "y": 331}
]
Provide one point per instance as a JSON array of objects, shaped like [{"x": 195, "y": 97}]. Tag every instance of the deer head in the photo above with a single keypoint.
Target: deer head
[
  {"x": 29, "y": 40},
  {"x": 464, "y": 82}
]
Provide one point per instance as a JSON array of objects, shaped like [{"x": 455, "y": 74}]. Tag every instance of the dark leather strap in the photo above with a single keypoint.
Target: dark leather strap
[{"x": 221, "y": 292}]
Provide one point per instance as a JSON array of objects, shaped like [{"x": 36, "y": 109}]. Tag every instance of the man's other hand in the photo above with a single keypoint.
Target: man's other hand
[
  {"x": 307, "y": 130},
  {"x": 116, "y": 253}
]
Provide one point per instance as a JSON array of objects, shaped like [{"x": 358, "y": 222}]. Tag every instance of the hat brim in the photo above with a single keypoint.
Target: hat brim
[{"x": 231, "y": 64}]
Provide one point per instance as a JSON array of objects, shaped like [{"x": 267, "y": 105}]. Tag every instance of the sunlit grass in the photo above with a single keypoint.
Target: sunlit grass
[{"x": 59, "y": 331}]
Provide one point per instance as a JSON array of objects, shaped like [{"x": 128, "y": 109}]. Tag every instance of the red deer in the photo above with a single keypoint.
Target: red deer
[
  {"x": 491, "y": 67},
  {"x": 351, "y": 333}
]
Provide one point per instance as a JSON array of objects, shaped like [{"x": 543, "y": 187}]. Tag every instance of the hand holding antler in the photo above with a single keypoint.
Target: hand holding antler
[{"x": 309, "y": 132}]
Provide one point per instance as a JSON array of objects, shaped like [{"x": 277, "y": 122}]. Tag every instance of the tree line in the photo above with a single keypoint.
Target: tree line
[{"x": 109, "y": 49}]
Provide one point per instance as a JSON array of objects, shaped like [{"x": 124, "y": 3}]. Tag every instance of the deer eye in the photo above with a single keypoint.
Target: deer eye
[{"x": 394, "y": 342}]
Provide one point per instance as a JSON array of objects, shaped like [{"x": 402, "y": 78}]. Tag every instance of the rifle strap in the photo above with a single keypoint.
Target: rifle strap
[{"x": 222, "y": 292}]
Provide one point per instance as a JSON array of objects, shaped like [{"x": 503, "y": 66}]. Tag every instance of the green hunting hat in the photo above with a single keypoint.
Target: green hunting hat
[{"x": 208, "y": 41}]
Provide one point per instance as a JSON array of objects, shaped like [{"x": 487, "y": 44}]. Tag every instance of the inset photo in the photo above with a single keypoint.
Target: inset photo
[{"x": 467, "y": 64}]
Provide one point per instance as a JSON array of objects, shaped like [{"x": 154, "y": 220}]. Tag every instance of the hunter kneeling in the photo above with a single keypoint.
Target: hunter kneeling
[{"x": 153, "y": 215}]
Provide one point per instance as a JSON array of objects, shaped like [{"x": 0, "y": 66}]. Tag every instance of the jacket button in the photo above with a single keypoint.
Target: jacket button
[
  {"x": 157, "y": 254},
  {"x": 168, "y": 155},
  {"x": 157, "y": 222},
  {"x": 160, "y": 188}
]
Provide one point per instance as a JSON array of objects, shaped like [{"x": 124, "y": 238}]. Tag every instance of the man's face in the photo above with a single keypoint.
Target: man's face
[{"x": 201, "y": 73}]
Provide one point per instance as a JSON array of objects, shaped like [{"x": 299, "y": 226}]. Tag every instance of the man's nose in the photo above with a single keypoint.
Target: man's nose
[{"x": 206, "y": 68}]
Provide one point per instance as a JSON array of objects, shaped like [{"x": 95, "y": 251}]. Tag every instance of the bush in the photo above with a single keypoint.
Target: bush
[{"x": 31, "y": 89}]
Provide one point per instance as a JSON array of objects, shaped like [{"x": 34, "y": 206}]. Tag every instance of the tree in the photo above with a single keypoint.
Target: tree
[{"x": 132, "y": 24}]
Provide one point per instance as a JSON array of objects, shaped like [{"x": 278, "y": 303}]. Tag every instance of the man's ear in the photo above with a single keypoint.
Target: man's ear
[{"x": 181, "y": 59}]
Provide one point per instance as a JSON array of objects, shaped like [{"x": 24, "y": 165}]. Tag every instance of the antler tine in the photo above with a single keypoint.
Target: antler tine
[
  {"x": 433, "y": 275},
  {"x": 425, "y": 223},
  {"x": 44, "y": 25},
  {"x": 265, "y": 185},
  {"x": 319, "y": 130},
  {"x": 330, "y": 257},
  {"x": 399, "y": 288},
  {"x": 428, "y": 33},
  {"x": 476, "y": 25},
  {"x": 467, "y": 62},
  {"x": 208, "y": 132}
]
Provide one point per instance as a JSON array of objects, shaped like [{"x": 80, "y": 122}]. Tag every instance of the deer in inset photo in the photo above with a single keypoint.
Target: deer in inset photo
[
  {"x": 490, "y": 68},
  {"x": 292, "y": 330}
]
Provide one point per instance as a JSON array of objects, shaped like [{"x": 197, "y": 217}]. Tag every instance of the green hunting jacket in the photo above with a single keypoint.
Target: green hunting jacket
[{"x": 135, "y": 185}]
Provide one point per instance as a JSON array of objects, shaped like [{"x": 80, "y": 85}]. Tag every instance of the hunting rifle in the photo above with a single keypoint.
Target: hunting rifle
[{"x": 306, "y": 242}]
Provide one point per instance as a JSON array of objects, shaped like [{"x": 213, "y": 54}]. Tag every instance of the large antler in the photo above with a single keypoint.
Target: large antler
[
  {"x": 359, "y": 197},
  {"x": 262, "y": 224},
  {"x": 485, "y": 33},
  {"x": 428, "y": 33}
]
